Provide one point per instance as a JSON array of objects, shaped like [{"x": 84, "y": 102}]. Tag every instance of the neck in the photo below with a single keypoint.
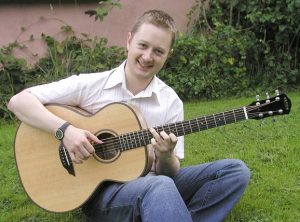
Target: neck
[{"x": 135, "y": 84}]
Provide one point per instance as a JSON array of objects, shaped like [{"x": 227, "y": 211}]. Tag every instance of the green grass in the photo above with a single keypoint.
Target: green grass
[{"x": 271, "y": 151}]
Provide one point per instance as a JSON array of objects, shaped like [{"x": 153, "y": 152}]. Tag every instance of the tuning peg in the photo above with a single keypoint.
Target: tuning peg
[
  {"x": 257, "y": 99},
  {"x": 277, "y": 95},
  {"x": 268, "y": 98}
]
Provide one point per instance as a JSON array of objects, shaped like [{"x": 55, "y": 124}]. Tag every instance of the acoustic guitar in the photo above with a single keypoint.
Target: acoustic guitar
[{"x": 55, "y": 184}]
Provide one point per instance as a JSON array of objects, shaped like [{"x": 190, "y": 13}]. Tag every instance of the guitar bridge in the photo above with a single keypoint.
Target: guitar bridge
[{"x": 65, "y": 159}]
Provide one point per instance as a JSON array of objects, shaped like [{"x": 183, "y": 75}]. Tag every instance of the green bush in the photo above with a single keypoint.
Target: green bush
[
  {"x": 74, "y": 55},
  {"x": 236, "y": 48},
  {"x": 212, "y": 66}
]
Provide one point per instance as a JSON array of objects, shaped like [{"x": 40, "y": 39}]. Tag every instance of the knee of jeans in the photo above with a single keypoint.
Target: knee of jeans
[
  {"x": 243, "y": 172},
  {"x": 161, "y": 181}
]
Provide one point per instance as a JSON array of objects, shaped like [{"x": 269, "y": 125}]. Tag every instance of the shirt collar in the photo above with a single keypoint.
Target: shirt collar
[{"x": 117, "y": 79}]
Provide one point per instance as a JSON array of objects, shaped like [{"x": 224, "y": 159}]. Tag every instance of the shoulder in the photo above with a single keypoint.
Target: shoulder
[
  {"x": 91, "y": 77},
  {"x": 166, "y": 92}
]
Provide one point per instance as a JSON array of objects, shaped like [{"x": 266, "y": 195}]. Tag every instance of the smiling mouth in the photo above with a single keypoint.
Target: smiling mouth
[{"x": 144, "y": 66}]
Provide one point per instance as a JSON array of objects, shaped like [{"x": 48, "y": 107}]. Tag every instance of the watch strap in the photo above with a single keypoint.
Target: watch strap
[{"x": 63, "y": 128}]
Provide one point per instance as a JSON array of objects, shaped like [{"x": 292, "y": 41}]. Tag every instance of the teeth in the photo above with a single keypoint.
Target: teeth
[{"x": 144, "y": 65}]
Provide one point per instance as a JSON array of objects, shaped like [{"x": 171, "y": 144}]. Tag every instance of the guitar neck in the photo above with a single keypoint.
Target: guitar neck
[{"x": 143, "y": 137}]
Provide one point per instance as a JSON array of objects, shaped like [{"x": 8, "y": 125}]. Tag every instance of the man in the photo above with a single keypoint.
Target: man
[{"x": 206, "y": 192}]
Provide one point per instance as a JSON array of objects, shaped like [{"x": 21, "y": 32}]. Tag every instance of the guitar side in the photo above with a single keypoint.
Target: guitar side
[{"x": 48, "y": 183}]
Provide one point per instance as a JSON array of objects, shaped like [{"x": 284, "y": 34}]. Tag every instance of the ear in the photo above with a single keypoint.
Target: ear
[
  {"x": 170, "y": 52},
  {"x": 129, "y": 38}
]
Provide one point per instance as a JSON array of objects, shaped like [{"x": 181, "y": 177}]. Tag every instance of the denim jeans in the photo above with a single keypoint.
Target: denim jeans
[{"x": 205, "y": 192}]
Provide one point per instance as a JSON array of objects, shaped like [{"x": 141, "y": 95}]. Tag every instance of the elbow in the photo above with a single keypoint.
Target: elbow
[
  {"x": 15, "y": 102},
  {"x": 11, "y": 103}
]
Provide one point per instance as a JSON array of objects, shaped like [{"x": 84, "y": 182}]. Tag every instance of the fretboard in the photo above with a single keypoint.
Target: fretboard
[{"x": 143, "y": 137}]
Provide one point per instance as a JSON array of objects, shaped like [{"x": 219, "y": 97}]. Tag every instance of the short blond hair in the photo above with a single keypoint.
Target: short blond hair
[{"x": 158, "y": 18}]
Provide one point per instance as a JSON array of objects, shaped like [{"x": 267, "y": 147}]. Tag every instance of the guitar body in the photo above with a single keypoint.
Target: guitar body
[{"x": 50, "y": 185}]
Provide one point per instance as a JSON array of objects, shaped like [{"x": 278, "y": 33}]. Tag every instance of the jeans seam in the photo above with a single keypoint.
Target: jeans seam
[
  {"x": 207, "y": 194},
  {"x": 217, "y": 175}
]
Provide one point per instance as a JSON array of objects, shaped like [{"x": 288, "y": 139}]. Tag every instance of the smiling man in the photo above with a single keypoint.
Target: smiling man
[{"x": 205, "y": 192}]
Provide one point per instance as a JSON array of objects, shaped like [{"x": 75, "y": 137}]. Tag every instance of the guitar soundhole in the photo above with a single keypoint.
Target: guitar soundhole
[{"x": 107, "y": 152}]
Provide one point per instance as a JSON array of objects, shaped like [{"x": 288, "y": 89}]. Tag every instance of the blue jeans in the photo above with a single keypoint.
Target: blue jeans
[{"x": 205, "y": 192}]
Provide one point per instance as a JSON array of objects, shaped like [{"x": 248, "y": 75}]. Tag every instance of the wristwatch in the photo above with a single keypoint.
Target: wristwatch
[{"x": 59, "y": 134}]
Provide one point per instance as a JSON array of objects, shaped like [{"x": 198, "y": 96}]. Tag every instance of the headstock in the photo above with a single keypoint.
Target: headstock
[{"x": 277, "y": 105}]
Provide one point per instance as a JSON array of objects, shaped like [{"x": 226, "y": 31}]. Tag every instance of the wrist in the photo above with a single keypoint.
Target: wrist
[{"x": 60, "y": 132}]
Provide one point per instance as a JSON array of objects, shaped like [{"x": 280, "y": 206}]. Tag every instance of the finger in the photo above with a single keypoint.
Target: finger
[
  {"x": 79, "y": 156},
  {"x": 89, "y": 148},
  {"x": 75, "y": 160},
  {"x": 72, "y": 156},
  {"x": 164, "y": 135},
  {"x": 153, "y": 142},
  {"x": 155, "y": 135},
  {"x": 93, "y": 138},
  {"x": 84, "y": 152},
  {"x": 173, "y": 138}
]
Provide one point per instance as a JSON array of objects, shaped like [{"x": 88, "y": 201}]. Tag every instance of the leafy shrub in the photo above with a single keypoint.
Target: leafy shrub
[
  {"x": 237, "y": 48},
  {"x": 72, "y": 56},
  {"x": 211, "y": 66}
]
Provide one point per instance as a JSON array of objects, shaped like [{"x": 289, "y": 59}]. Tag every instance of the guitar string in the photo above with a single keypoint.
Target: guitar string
[
  {"x": 178, "y": 123},
  {"x": 119, "y": 147},
  {"x": 110, "y": 145},
  {"x": 133, "y": 135}
]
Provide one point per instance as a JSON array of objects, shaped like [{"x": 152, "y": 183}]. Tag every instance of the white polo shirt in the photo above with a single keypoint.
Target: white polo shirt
[{"x": 158, "y": 103}]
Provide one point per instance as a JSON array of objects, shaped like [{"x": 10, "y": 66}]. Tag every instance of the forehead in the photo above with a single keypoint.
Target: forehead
[{"x": 154, "y": 35}]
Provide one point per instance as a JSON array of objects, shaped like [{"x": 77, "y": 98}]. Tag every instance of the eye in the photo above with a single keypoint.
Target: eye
[
  {"x": 142, "y": 45},
  {"x": 158, "y": 52}
]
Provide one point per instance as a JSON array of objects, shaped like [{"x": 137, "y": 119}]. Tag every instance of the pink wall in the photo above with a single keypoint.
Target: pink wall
[{"x": 114, "y": 27}]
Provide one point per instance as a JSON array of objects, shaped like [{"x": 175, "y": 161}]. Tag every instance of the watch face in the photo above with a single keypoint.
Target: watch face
[{"x": 59, "y": 134}]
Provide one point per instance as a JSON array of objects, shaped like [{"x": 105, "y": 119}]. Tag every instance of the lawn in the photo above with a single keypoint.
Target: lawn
[{"x": 270, "y": 149}]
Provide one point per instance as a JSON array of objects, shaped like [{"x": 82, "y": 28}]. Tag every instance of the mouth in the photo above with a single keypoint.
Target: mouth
[{"x": 144, "y": 66}]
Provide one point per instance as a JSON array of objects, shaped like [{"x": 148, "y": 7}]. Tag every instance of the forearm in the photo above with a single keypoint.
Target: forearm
[
  {"x": 31, "y": 111},
  {"x": 168, "y": 165}
]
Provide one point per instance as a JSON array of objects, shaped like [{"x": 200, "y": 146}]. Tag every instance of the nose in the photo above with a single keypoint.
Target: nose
[{"x": 147, "y": 55}]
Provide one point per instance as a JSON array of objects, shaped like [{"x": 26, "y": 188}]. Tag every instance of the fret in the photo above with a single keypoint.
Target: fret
[
  {"x": 138, "y": 140},
  {"x": 190, "y": 126},
  {"x": 183, "y": 130},
  {"x": 176, "y": 129},
  {"x": 143, "y": 135},
  {"x": 170, "y": 131},
  {"x": 220, "y": 119},
  {"x": 186, "y": 127},
  {"x": 203, "y": 123},
  {"x": 210, "y": 121},
  {"x": 132, "y": 139},
  {"x": 149, "y": 136},
  {"x": 121, "y": 143},
  {"x": 206, "y": 122},
  {"x": 239, "y": 114},
  {"x": 215, "y": 120},
  {"x": 127, "y": 141},
  {"x": 234, "y": 115},
  {"x": 224, "y": 118},
  {"x": 197, "y": 121},
  {"x": 229, "y": 117},
  {"x": 194, "y": 126}
]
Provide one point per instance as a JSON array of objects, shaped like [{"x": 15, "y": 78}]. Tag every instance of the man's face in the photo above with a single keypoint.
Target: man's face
[{"x": 148, "y": 50}]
